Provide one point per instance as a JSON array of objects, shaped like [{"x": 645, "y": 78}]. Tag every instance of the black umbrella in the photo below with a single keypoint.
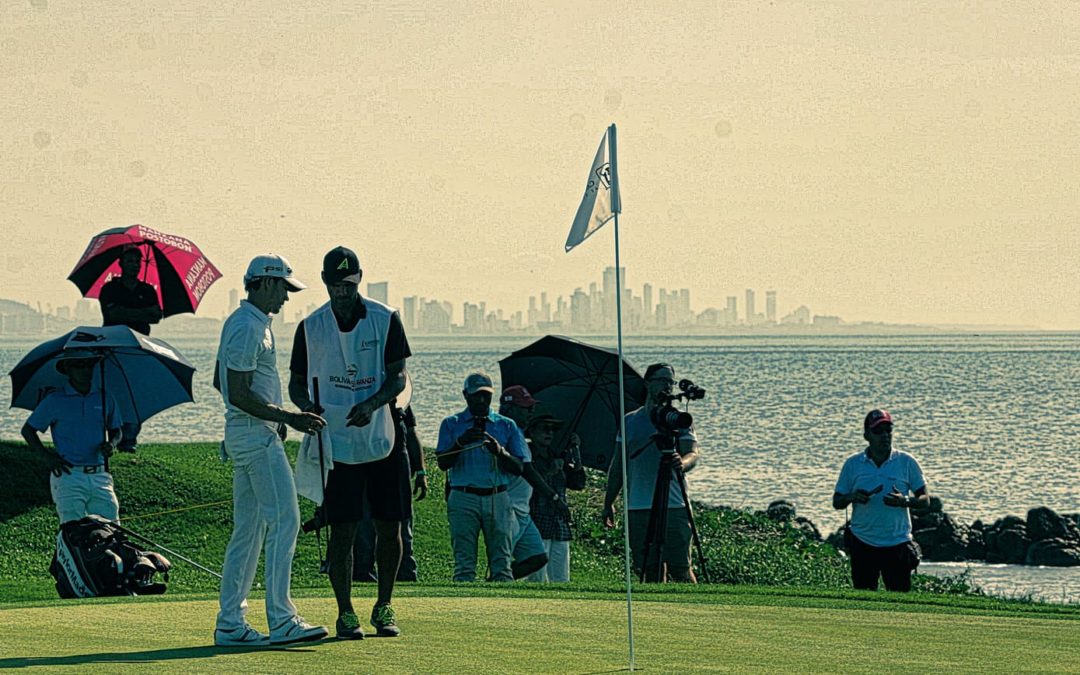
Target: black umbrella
[
  {"x": 580, "y": 384},
  {"x": 144, "y": 375}
]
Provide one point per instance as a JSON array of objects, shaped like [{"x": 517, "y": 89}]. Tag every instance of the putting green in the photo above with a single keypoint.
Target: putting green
[{"x": 462, "y": 634}]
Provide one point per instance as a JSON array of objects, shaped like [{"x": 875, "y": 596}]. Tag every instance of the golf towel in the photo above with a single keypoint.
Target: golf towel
[{"x": 309, "y": 482}]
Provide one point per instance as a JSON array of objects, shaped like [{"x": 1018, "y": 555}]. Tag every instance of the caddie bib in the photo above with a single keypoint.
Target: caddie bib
[{"x": 351, "y": 369}]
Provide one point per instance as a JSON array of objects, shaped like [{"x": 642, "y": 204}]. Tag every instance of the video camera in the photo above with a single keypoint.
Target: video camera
[{"x": 666, "y": 417}]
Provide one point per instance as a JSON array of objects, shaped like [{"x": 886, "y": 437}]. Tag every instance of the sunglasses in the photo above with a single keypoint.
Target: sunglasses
[{"x": 882, "y": 429}]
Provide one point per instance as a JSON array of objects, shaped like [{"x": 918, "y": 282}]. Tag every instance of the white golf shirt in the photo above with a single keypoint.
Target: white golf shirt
[{"x": 873, "y": 522}]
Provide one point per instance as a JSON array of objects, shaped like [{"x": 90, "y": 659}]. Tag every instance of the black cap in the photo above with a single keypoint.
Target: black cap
[{"x": 341, "y": 264}]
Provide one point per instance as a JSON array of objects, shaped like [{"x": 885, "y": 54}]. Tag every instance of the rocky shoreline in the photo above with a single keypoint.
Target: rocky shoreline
[{"x": 1045, "y": 537}]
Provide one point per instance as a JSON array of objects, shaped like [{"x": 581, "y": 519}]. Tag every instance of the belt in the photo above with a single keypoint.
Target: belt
[
  {"x": 93, "y": 468},
  {"x": 483, "y": 492}
]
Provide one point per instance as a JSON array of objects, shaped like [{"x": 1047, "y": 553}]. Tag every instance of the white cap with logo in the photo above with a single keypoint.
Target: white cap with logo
[{"x": 275, "y": 266}]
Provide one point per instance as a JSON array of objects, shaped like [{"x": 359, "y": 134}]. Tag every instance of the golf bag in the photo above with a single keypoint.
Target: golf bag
[{"x": 94, "y": 557}]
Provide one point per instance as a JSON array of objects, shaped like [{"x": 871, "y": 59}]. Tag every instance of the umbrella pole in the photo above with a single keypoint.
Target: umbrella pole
[{"x": 104, "y": 412}]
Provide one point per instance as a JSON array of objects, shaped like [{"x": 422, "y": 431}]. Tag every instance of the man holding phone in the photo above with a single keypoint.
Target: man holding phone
[{"x": 878, "y": 537}]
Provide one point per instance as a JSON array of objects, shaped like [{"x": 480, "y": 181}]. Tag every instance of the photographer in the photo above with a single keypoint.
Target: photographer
[
  {"x": 481, "y": 451},
  {"x": 644, "y": 460}
]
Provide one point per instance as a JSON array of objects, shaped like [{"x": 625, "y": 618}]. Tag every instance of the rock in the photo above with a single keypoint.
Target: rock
[
  {"x": 936, "y": 505},
  {"x": 1009, "y": 522},
  {"x": 976, "y": 543},
  {"x": 941, "y": 538},
  {"x": 1007, "y": 545},
  {"x": 1054, "y": 553},
  {"x": 1043, "y": 523},
  {"x": 780, "y": 511}
]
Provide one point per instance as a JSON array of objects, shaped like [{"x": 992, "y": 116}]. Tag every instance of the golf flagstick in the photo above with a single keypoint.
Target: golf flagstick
[
  {"x": 601, "y": 203},
  {"x": 616, "y": 207}
]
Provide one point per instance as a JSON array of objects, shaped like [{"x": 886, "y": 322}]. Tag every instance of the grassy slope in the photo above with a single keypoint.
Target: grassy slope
[
  {"x": 803, "y": 620},
  {"x": 766, "y": 564}
]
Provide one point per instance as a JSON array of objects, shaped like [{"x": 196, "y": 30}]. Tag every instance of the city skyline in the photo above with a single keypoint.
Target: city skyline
[
  {"x": 903, "y": 163},
  {"x": 579, "y": 312}
]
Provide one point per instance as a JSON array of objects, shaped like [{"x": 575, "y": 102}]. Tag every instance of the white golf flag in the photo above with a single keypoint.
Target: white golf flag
[{"x": 601, "y": 201}]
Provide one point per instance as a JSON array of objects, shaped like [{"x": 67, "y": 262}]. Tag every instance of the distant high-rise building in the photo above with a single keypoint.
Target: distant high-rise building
[
  {"x": 749, "y": 307},
  {"x": 234, "y": 299},
  {"x": 408, "y": 313},
  {"x": 731, "y": 311},
  {"x": 580, "y": 311},
  {"x": 647, "y": 306},
  {"x": 611, "y": 294},
  {"x": 770, "y": 306},
  {"x": 379, "y": 292}
]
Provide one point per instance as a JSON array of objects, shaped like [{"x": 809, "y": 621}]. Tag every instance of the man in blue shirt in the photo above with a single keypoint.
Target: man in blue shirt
[
  {"x": 877, "y": 482},
  {"x": 79, "y": 483},
  {"x": 481, "y": 451}
]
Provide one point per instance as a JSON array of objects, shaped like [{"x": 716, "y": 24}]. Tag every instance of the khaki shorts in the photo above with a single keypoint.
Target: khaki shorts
[{"x": 676, "y": 543}]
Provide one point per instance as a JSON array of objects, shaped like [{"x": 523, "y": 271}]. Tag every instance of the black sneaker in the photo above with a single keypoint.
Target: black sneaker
[
  {"x": 382, "y": 617},
  {"x": 348, "y": 627}
]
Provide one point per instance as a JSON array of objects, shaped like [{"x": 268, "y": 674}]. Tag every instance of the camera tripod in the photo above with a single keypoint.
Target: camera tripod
[{"x": 656, "y": 530}]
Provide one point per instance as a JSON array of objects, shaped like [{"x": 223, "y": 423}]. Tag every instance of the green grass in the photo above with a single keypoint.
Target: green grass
[
  {"x": 784, "y": 603},
  {"x": 159, "y": 487},
  {"x": 515, "y": 634}
]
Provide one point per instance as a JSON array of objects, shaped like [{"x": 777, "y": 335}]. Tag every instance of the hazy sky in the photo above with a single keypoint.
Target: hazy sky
[{"x": 891, "y": 161}]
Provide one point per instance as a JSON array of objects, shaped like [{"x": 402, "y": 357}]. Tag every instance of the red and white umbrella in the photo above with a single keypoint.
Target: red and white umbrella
[{"x": 173, "y": 265}]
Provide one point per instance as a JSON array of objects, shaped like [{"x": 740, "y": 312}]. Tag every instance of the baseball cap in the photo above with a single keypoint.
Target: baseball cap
[
  {"x": 276, "y": 266},
  {"x": 876, "y": 417},
  {"x": 341, "y": 264},
  {"x": 519, "y": 396},
  {"x": 479, "y": 381}
]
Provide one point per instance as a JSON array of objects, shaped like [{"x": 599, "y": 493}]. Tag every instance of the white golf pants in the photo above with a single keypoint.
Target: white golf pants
[
  {"x": 558, "y": 567},
  {"x": 78, "y": 494},
  {"x": 264, "y": 509}
]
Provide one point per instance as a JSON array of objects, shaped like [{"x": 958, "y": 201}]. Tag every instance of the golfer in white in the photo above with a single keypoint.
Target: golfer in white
[{"x": 264, "y": 495}]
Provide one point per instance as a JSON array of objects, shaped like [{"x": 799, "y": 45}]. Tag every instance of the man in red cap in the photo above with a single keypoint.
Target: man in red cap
[{"x": 877, "y": 483}]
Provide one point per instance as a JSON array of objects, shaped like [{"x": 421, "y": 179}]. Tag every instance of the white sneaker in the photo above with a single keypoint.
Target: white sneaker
[
  {"x": 245, "y": 636},
  {"x": 297, "y": 630}
]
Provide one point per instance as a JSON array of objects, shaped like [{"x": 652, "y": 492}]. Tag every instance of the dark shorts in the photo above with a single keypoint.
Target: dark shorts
[
  {"x": 380, "y": 490},
  {"x": 892, "y": 564}
]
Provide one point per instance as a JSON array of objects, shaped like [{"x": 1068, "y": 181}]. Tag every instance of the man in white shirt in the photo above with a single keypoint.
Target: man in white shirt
[
  {"x": 264, "y": 494},
  {"x": 881, "y": 484}
]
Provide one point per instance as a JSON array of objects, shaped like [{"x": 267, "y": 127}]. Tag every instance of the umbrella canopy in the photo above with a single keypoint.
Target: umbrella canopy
[
  {"x": 579, "y": 383},
  {"x": 145, "y": 375},
  {"x": 173, "y": 265}
]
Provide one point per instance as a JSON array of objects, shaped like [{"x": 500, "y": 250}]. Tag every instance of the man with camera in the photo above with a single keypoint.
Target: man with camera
[
  {"x": 658, "y": 438},
  {"x": 877, "y": 483},
  {"x": 356, "y": 348},
  {"x": 481, "y": 451}
]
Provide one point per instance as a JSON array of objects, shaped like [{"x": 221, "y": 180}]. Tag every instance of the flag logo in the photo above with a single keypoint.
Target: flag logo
[{"x": 604, "y": 174}]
